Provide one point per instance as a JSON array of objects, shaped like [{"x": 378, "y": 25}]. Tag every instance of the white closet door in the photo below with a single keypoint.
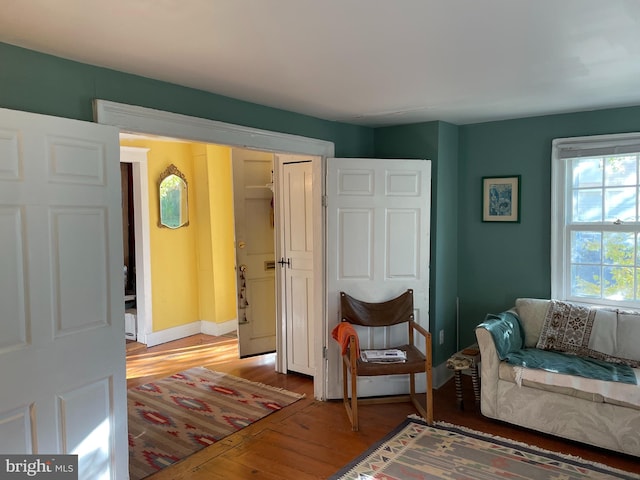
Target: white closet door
[
  {"x": 378, "y": 223},
  {"x": 297, "y": 264}
]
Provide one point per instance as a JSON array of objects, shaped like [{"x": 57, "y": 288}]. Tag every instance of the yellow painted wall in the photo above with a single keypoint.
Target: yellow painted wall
[
  {"x": 222, "y": 222},
  {"x": 204, "y": 250},
  {"x": 192, "y": 267},
  {"x": 216, "y": 249},
  {"x": 173, "y": 257}
]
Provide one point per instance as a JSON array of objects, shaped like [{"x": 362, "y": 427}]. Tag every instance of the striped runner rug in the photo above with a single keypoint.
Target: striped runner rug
[
  {"x": 171, "y": 418},
  {"x": 415, "y": 450}
]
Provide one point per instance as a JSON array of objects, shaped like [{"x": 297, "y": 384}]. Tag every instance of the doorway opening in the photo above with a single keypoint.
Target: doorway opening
[
  {"x": 249, "y": 179},
  {"x": 141, "y": 120},
  {"x": 129, "y": 251}
]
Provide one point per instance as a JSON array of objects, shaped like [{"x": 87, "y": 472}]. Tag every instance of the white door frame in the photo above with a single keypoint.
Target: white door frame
[
  {"x": 134, "y": 119},
  {"x": 137, "y": 157}
]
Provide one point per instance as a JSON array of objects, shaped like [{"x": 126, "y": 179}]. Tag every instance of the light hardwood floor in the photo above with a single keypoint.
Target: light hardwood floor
[{"x": 310, "y": 439}]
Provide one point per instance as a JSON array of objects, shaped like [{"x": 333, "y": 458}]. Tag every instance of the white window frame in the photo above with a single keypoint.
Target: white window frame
[{"x": 562, "y": 149}]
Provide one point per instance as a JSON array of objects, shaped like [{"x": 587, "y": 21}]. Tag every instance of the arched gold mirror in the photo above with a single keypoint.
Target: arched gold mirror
[{"x": 174, "y": 208}]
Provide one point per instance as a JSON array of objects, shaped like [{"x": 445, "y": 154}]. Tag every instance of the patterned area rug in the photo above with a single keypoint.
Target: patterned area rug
[
  {"x": 171, "y": 418},
  {"x": 415, "y": 450}
]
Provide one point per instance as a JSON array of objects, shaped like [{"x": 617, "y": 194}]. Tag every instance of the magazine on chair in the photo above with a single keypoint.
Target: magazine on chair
[{"x": 383, "y": 356}]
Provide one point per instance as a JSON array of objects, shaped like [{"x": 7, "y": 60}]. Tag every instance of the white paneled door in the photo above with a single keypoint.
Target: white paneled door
[
  {"x": 62, "y": 360},
  {"x": 255, "y": 251},
  {"x": 296, "y": 183},
  {"x": 378, "y": 237}
]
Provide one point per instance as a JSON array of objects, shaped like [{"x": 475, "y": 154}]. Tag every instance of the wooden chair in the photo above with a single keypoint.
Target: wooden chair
[{"x": 375, "y": 315}]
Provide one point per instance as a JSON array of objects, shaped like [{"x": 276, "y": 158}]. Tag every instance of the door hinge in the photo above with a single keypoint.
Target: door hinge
[
  {"x": 324, "y": 352},
  {"x": 325, "y": 201}
]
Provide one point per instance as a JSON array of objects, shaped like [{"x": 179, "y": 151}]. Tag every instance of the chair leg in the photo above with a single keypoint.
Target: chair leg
[
  {"x": 350, "y": 404},
  {"x": 425, "y": 410},
  {"x": 345, "y": 384},
  {"x": 354, "y": 402},
  {"x": 345, "y": 393},
  {"x": 429, "y": 396},
  {"x": 412, "y": 385},
  {"x": 414, "y": 398}
]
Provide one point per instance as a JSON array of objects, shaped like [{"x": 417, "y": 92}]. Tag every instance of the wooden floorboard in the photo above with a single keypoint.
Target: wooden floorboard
[{"x": 311, "y": 439}]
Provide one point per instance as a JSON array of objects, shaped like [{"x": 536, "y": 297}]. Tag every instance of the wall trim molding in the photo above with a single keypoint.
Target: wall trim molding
[
  {"x": 193, "y": 328},
  {"x": 135, "y": 119},
  {"x": 217, "y": 329},
  {"x": 173, "y": 333},
  {"x": 441, "y": 375}
]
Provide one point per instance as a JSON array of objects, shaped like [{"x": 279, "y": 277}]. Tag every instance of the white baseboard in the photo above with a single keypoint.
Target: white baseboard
[
  {"x": 193, "y": 328},
  {"x": 217, "y": 329},
  {"x": 173, "y": 333},
  {"x": 441, "y": 375}
]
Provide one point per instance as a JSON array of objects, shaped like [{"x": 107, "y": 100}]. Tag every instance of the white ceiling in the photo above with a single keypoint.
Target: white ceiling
[{"x": 367, "y": 62}]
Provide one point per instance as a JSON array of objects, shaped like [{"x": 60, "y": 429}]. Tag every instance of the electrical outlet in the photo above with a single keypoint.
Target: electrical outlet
[{"x": 441, "y": 336}]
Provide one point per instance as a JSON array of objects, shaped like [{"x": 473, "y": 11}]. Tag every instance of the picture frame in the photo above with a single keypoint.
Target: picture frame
[{"x": 501, "y": 199}]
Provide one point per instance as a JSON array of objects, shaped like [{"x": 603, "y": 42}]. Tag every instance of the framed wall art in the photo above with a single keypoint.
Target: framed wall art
[{"x": 501, "y": 199}]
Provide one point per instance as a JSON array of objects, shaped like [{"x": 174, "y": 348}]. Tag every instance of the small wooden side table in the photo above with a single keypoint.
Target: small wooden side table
[{"x": 466, "y": 359}]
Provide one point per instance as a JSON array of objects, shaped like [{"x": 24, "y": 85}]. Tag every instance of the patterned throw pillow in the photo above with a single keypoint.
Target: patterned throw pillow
[{"x": 568, "y": 327}]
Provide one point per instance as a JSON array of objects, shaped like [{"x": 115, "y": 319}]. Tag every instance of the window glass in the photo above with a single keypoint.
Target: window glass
[
  {"x": 587, "y": 172},
  {"x": 597, "y": 242},
  {"x": 587, "y": 205}
]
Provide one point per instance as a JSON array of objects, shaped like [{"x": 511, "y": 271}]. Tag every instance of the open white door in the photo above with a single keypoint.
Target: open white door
[
  {"x": 62, "y": 359},
  {"x": 378, "y": 224},
  {"x": 296, "y": 263},
  {"x": 255, "y": 251}
]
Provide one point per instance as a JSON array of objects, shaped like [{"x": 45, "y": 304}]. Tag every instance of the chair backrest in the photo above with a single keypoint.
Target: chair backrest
[{"x": 390, "y": 312}]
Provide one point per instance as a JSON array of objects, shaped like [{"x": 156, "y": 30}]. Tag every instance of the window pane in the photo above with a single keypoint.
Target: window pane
[
  {"x": 620, "y": 203},
  {"x": 620, "y": 171},
  {"x": 618, "y": 248},
  {"x": 587, "y": 205},
  {"x": 586, "y": 247},
  {"x": 587, "y": 172},
  {"x": 585, "y": 281},
  {"x": 618, "y": 283},
  {"x": 598, "y": 226}
]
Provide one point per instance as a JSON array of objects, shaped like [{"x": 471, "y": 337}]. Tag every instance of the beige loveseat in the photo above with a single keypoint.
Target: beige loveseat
[{"x": 594, "y": 411}]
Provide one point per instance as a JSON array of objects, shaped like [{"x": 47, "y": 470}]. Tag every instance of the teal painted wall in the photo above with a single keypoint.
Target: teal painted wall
[
  {"x": 445, "y": 243},
  {"x": 438, "y": 142},
  {"x": 486, "y": 265},
  {"x": 40, "y": 83},
  {"x": 498, "y": 263}
]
